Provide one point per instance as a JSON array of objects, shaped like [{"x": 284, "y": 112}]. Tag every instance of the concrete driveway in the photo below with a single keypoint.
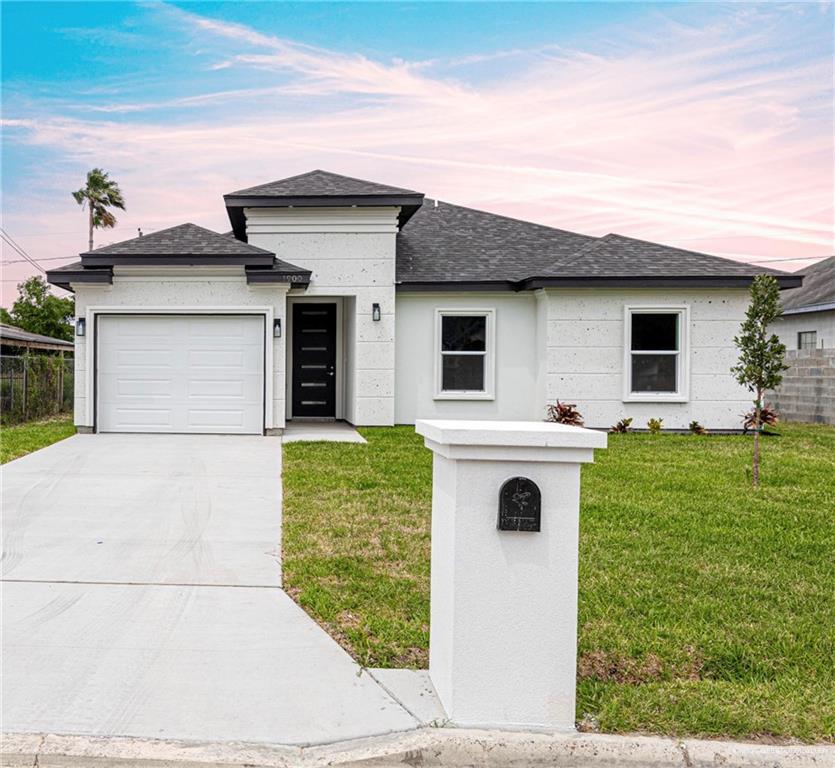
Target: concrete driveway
[{"x": 141, "y": 597}]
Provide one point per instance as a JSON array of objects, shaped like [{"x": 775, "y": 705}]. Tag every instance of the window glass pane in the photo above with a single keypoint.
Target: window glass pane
[
  {"x": 462, "y": 372},
  {"x": 654, "y": 331},
  {"x": 463, "y": 333},
  {"x": 807, "y": 339},
  {"x": 654, "y": 373}
]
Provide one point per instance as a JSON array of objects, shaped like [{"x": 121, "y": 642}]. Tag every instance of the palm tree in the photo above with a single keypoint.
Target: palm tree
[{"x": 99, "y": 194}]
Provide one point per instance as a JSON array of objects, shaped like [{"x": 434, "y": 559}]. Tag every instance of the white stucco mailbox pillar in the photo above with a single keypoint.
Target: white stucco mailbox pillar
[{"x": 505, "y": 514}]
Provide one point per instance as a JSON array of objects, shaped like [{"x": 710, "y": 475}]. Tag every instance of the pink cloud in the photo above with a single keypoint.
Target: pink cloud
[{"x": 715, "y": 138}]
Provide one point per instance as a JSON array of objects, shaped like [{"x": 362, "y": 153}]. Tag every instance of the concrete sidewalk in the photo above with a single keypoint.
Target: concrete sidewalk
[
  {"x": 427, "y": 747},
  {"x": 141, "y": 597}
]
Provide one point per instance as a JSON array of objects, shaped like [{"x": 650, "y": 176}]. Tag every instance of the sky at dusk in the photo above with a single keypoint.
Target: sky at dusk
[{"x": 706, "y": 126}]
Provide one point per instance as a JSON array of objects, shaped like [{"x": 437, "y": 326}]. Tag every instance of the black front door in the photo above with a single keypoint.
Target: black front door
[{"x": 314, "y": 360}]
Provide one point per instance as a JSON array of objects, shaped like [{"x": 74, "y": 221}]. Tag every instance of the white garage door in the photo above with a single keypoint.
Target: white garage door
[{"x": 180, "y": 373}]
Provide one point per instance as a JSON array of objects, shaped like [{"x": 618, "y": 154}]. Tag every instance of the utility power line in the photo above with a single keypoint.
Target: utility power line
[
  {"x": 10, "y": 240},
  {"x": 51, "y": 258}
]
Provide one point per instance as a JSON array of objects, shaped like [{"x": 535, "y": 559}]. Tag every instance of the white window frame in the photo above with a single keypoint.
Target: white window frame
[
  {"x": 682, "y": 395},
  {"x": 489, "y": 355}
]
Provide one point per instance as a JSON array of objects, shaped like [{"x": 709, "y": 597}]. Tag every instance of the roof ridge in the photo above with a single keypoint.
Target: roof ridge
[
  {"x": 585, "y": 249},
  {"x": 527, "y": 223}
]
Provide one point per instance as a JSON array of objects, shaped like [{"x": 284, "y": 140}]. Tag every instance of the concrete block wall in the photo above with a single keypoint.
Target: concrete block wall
[
  {"x": 807, "y": 393},
  {"x": 581, "y": 350}
]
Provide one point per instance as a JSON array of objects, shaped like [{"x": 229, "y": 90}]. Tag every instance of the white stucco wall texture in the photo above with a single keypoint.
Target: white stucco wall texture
[
  {"x": 351, "y": 254},
  {"x": 569, "y": 345}
]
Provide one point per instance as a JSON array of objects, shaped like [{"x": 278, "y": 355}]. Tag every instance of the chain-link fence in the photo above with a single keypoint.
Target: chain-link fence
[{"x": 35, "y": 387}]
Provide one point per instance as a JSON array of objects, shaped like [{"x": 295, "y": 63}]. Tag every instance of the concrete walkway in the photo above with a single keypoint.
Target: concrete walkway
[
  {"x": 322, "y": 432},
  {"x": 141, "y": 598}
]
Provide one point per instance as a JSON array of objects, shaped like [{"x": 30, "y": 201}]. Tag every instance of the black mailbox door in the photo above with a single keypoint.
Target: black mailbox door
[
  {"x": 520, "y": 505},
  {"x": 314, "y": 360}
]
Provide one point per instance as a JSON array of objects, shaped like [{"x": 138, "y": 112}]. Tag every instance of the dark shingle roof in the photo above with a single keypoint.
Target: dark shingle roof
[
  {"x": 616, "y": 255},
  {"x": 320, "y": 183},
  {"x": 182, "y": 240},
  {"x": 450, "y": 244},
  {"x": 453, "y": 243},
  {"x": 818, "y": 289}
]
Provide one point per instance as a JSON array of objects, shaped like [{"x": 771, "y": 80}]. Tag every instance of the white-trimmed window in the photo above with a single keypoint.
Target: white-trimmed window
[
  {"x": 656, "y": 354},
  {"x": 464, "y": 354}
]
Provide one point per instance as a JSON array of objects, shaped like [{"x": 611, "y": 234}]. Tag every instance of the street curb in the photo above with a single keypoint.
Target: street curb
[{"x": 425, "y": 747}]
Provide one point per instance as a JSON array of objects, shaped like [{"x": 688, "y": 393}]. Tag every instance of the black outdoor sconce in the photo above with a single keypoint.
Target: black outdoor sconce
[
  {"x": 375, "y": 312},
  {"x": 80, "y": 326},
  {"x": 277, "y": 328}
]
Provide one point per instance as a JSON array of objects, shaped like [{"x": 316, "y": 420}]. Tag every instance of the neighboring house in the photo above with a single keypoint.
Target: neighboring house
[
  {"x": 340, "y": 298},
  {"x": 16, "y": 341},
  {"x": 807, "y": 328},
  {"x": 808, "y": 320}
]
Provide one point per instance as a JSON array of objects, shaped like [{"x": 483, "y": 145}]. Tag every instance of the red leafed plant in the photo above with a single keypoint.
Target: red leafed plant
[
  {"x": 768, "y": 418},
  {"x": 565, "y": 413}
]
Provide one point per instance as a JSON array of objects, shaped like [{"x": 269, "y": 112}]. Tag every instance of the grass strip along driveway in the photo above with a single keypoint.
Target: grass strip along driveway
[
  {"x": 706, "y": 608},
  {"x": 18, "y": 440}
]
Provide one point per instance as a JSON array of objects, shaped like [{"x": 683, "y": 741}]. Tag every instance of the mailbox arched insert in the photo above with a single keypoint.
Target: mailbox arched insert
[{"x": 520, "y": 505}]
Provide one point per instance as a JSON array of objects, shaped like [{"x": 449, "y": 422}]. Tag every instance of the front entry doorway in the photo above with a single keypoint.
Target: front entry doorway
[{"x": 314, "y": 360}]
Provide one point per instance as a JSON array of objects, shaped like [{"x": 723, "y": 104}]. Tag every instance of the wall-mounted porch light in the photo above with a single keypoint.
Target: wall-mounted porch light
[
  {"x": 375, "y": 312},
  {"x": 80, "y": 326},
  {"x": 277, "y": 328}
]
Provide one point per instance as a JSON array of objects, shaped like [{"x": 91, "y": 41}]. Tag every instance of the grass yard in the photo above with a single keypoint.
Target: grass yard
[
  {"x": 706, "y": 608},
  {"x": 20, "y": 439}
]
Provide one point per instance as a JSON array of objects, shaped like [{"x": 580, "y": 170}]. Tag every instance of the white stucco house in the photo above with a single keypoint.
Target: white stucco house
[{"x": 337, "y": 298}]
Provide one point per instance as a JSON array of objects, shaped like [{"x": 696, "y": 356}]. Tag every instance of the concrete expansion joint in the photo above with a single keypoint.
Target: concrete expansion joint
[{"x": 425, "y": 747}]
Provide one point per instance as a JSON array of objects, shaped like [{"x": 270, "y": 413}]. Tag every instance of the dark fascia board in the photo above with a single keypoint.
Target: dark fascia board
[
  {"x": 810, "y": 308},
  {"x": 443, "y": 287},
  {"x": 408, "y": 204},
  {"x": 535, "y": 283},
  {"x": 665, "y": 281},
  {"x": 262, "y": 276},
  {"x": 63, "y": 277},
  {"x": 180, "y": 259}
]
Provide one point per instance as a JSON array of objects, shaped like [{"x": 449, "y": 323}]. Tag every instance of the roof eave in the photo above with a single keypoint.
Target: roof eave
[
  {"x": 296, "y": 279},
  {"x": 826, "y": 307},
  {"x": 64, "y": 278},
  {"x": 653, "y": 281},
  {"x": 408, "y": 204},
  {"x": 432, "y": 286}
]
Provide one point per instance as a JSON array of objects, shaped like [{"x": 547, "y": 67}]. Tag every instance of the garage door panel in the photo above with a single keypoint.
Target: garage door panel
[
  {"x": 144, "y": 417},
  {"x": 197, "y": 374}
]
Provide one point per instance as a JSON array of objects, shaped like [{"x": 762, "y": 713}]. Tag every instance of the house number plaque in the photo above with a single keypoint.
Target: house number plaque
[{"x": 520, "y": 505}]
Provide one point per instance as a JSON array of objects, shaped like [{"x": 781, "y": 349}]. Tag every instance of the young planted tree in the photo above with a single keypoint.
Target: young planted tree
[
  {"x": 761, "y": 353},
  {"x": 99, "y": 194}
]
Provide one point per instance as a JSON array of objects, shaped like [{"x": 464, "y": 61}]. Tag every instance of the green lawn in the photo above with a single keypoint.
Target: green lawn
[
  {"x": 18, "y": 440},
  {"x": 706, "y": 608}
]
